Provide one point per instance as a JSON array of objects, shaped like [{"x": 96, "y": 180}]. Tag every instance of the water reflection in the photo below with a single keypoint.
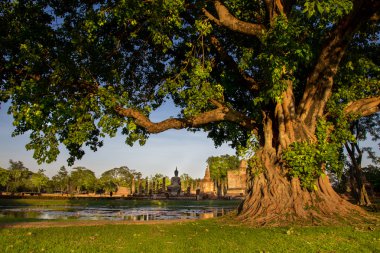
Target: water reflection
[{"x": 118, "y": 214}]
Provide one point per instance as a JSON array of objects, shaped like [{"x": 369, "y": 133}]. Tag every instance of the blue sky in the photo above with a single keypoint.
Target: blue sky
[{"x": 161, "y": 154}]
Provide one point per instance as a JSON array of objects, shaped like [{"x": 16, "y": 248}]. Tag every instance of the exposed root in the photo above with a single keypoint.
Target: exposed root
[{"x": 275, "y": 200}]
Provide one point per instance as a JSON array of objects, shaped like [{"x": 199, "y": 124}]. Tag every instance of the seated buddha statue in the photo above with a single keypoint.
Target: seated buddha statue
[{"x": 175, "y": 183}]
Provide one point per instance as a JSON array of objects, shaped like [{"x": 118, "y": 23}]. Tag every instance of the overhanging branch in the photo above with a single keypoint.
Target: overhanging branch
[
  {"x": 226, "y": 19},
  {"x": 364, "y": 107},
  {"x": 221, "y": 113}
]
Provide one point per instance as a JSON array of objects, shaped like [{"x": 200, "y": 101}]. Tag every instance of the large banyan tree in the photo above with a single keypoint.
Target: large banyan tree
[{"x": 283, "y": 78}]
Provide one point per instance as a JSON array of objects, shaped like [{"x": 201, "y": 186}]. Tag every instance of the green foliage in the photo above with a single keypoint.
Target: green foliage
[
  {"x": 186, "y": 181},
  {"x": 282, "y": 56},
  {"x": 4, "y": 177},
  {"x": 110, "y": 180},
  {"x": 61, "y": 180},
  {"x": 82, "y": 179},
  {"x": 327, "y": 8},
  {"x": 249, "y": 148},
  {"x": 219, "y": 165},
  {"x": 308, "y": 161},
  {"x": 39, "y": 180},
  {"x": 372, "y": 174},
  {"x": 18, "y": 176}
]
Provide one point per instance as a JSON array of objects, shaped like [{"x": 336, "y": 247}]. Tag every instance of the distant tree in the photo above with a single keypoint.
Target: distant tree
[
  {"x": 361, "y": 130},
  {"x": 372, "y": 173},
  {"x": 157, "y": 180},
  {"x": 186, "y": 181},
  {"x": 18, "y": 176},
  {"x": 219, "y": 165},
  {"x": 110, "y": 180},
  {"x": 4, "y": 178},
  {"x": 106, "y": 184},
  {"x": 121, "y": 176},
  {"x": 82, "y": 179},
  {"x": 39, "y": 180},
  {"x": 62, "y": 179}
]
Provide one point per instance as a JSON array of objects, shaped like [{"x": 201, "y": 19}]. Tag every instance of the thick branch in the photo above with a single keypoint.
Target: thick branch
[
  {"x": 359, "y": 151},
  {"x": 351, "y": 153},
  {"x": 274, "y": 8},
  {"x": 247, "y": 80},
  {"x": 226, "y": 19},
  {"x": 320, "y": 81},
  {"x": 221, "y": 113},
  {"x": 364, "y": 107}
]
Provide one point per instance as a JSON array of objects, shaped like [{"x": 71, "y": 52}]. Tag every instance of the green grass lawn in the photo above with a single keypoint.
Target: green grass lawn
[
  {"x": 214, "y": 235},
  {"x": 199, "y": 236}
]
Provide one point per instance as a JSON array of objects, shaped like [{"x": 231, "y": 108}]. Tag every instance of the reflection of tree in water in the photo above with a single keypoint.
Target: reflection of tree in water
[{"x": 141, "y": 214}]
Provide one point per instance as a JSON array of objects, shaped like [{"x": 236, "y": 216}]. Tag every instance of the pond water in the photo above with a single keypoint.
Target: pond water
[{"x": 117, "y": 214}]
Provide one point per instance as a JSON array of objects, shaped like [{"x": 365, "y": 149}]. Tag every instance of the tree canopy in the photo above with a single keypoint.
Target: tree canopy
[
  {"x": 82, "y": 179},
  {"x": 290, "y": 73},
  {"x": 76, "y": 71},
  {"x": 39, "y": 180}
]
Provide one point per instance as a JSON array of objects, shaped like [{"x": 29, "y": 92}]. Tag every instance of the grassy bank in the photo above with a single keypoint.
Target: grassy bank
[{"x": 200, "y": 236}]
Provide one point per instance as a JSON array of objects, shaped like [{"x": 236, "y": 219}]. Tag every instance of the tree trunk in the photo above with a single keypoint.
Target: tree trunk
[
  {"x": 275, "y": 199},
  {"x": 361, "y": 194},
  {"x": 357, "y": 178}
]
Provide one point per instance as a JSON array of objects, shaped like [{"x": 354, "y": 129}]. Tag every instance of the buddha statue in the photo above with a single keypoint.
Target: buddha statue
[{"x": 175, "y": 183}]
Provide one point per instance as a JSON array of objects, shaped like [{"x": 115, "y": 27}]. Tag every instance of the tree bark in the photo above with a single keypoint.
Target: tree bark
[{"x": 273, "y": 197}]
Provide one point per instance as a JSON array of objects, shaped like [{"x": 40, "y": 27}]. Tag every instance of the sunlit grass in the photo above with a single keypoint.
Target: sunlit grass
[
  {"x": 215, "y": 235},
  {"x": 198, "y": 236}
]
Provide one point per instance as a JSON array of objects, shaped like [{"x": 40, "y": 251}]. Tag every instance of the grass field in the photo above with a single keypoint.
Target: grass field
[
  {"x": 214, "y": 235},
  {"x": 200, "y": 236}
]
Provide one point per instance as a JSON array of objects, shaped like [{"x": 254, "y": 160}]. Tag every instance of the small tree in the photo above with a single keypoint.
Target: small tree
[
  {"x": 218, "y": 170},
  {"x": 82, "y": 179},
  {"x": 18, "y": 176},
  {"x": 39, "y": 180},
  {"x": 61, "y": 180},
  {"x": 157, "y": 181},
  {"x": 116, "y": 177},
  {"x": 372, "y": 173},
  {"x": 353, "y": 176},
  {"x": 186, "y": 181},
  {"x": 106, "y": 184},
  {"x": 4, "y": 178}
]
